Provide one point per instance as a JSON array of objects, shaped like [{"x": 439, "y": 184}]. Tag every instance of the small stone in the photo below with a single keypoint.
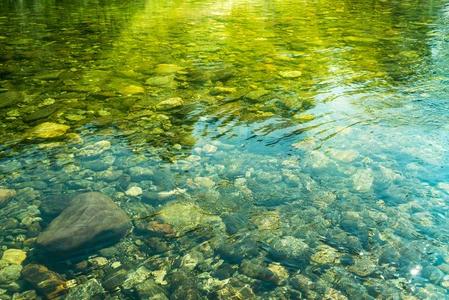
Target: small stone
[
  {"x": 6, "y": 195},
  {"x": 132, "y": 90},
  {"x": 280, "y": 272},
  {"x": 256, "y": 94},
  {"x": 363, "y": 266},
  {"x": 170, "y": 103},
  {"x": 90, "y": 289},
  {"x": 344, "y": 155},
  {"x": 99, "y": 261},
  {"x": 47, "y": 130},
  {"x": 14, "y": 256},
  {"x": 363, "y": 180},
  {"x": 333, "y": 294},
  {"x": 46, "y": 282},
  {"x": 269, "y": 220},
  {"x": 205, "y": 182},
  {"x": 10, "y": 274},
  {"x": 134, "y": 191},
  {"x": 304, "y": 117},
  {"x": 325, "y": 255},
  {"x": 209, "y": 148},
  {"x": 136, "y": 277},
  {"x": 290, "y": 74},
  {"x": 167, "y": 69},
  {"x": 183, "y": 217},
  {"x": 95, "y": 149}
]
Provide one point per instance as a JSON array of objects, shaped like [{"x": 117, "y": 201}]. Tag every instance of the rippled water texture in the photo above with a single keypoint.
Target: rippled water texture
[{"x": 261, "y": 149}]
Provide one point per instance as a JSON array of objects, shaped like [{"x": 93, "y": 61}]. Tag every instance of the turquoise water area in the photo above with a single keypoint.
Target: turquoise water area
[{"x": 260, "y": 149}]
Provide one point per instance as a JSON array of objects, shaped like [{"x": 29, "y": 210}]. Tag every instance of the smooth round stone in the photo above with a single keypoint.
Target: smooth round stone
[
  {"x": 134, "y": 191},
  {"x": 170, "y": 103},
  {"x": 14, "y": 256},
  {"x": 47, "y": 130}
]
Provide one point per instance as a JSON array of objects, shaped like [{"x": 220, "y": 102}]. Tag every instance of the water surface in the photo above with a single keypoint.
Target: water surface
[{"x": 316, "y": 132}]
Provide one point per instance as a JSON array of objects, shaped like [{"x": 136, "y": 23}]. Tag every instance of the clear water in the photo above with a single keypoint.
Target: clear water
[{"x": 317, "y": 131}]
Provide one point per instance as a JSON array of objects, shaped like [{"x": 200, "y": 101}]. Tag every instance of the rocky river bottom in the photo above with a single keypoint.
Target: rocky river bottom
[{"x": 224, "y": 150}]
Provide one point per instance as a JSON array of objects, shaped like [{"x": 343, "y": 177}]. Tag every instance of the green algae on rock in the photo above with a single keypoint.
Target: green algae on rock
[{"x": 47, "y": 130}]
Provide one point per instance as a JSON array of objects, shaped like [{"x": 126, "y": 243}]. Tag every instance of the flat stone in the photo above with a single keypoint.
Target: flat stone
[
  {"x": 46, "y": 282},
  {"x": 47, "y": 130},
  {"x": 90, "y": 289},
  {"x": 91, "y": 220},
  {"x": 41, "y": 113},
  {"x": 186, "y": 216},
  {"x": 290, "y": 74},
  {"x": 95, "y": 149},
  {"x": 167, "y": 68},
  {"x": 304, "y": 117},
  {"x": 132, "y": 90},
  {"x": 14, "y": 256},
  {"x": 170, "y": 103}
]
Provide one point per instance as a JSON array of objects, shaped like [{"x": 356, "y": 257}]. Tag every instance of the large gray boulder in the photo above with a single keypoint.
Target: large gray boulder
[{"x": 92, "y": 220}]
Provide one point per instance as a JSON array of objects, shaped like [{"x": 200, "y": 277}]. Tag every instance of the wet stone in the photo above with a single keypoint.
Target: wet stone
[
  {"x": 114, "y": 280},
  {"x": 91, "y": 220},
  {"x": 14, "y": 256},
  {"x": 95, "y": 149},
  {"x": 9, "y": 273},
  {"x": 151, "y": 290},
  {"x": 363, "y": 266},
  {"x": 90, "y": 289},
  {"x": 170, "y": 103},
  {"x": 289, "y": 248},
  {"x": 41, "y": 113},
  {"x": 46, "y": 282},
  {"x": 183, "y": 217},
  {"x": 8, "y": 99},
  {"x": 363, "y": 180},
  {"x": 6, "y": 195},
  {"x": 47, "y": 130}
]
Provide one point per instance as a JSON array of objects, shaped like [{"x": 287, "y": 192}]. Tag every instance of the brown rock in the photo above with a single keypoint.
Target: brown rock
[
  {"x": 46, "y": 282},
  {"x": 92, "y": 220}
]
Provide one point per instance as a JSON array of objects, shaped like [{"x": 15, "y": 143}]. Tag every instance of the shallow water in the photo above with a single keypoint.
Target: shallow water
[{"x": 297, "y": 149}]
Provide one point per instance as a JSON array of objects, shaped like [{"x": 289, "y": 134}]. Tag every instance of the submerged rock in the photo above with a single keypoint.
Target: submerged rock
[
  {"x": 47, "y": 130},
  {"x": 10, "y": 98},
  {"x": 6, "y": 195},
  {"x": 290, "y": 74},
  {"x": 95, "y": 149},
  {"x": 91, "y": 220},
  {"x": 182, "y": 217},
  {"x": 45, "y": 281},
  {"x": 363, "y": 180},
  {"x": 9, "y": 274},
  {"x": 91, "y": 290},
  {"x": 41, "y": 113},
  {"x": 14, "y": 256},
  {"x": 170, "y": 103}
]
